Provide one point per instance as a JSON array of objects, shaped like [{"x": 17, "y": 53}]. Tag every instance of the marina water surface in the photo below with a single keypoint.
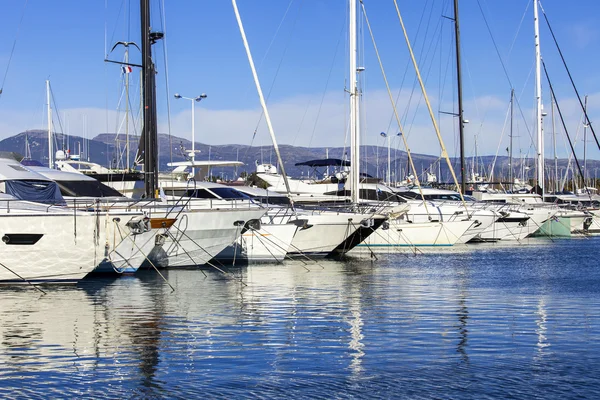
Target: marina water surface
[{"x": 472, "y": 322}]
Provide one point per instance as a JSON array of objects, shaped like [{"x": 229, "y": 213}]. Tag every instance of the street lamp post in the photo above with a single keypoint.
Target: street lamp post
[{"x": 198, "y": 99}]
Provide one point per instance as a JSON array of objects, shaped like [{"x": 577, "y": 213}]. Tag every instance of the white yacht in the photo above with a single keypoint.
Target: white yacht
[
  {"x": 323, "y": 232},
  {"x": 508, "y": 221},
  {"x": 44, "y": 241},
  {"x": 206, "y": 223},
  {"x": 558, "y": 221},
  {"x": 258, "y": 240},
  {"x": 411, "y": 223}
]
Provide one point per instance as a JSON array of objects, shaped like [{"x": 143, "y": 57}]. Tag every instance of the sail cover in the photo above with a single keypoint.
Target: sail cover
[
  {"x": 38, "y": 191},
  {"x": 326, "y": 162}
]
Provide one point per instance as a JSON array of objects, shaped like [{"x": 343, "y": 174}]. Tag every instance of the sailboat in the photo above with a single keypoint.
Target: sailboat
[
  {"x": 204, "y": 227},
  {"x": 348, "y": 186},
  {"x": 322, "y": 232}
]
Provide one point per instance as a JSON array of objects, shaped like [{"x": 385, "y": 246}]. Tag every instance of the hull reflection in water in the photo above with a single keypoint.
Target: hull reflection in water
[{"x": 491, "y": 322}]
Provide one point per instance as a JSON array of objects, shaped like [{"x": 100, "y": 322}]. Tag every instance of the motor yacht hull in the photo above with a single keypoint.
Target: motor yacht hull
[
  {"x": 59, "y": 247},
  {"x": 199, "y": 235},
  {"x": 401, "y": 233},
  {"x": 270, "y": 243}
]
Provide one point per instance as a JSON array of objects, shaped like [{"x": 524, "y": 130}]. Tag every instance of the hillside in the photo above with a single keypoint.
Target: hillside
[{"x": 103, "y": 149}]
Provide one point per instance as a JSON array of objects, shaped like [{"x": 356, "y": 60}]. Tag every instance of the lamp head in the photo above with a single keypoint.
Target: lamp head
[
  {"x": 202, "y": 96},
  {"x": 383, "y": 134},
  {"x": 177, "y": 96}
]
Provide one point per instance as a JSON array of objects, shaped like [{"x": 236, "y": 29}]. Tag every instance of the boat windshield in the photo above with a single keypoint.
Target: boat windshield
[
  {"x": 91, "y": 188},
  {"x": 229, "y": 193}
]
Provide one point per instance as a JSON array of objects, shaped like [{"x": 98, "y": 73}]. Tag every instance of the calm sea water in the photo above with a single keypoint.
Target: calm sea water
[{"x": 520, "y": 321}]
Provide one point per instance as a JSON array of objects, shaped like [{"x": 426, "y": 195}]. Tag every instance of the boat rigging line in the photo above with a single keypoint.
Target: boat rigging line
[
  {"x": 12, "y": 51},
  {"x": 562, "y": 120},
  {"x": 389, "y": 91},
  {"x": 588, "y": 121},
  {"x": 431, "y": 115},
  {"x": 23, "y": 279},
  {"x": 262, "y": 100}
]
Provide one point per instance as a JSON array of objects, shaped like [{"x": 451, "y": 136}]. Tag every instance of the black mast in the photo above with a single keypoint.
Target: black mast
[
  {"x": 461, "y": 127},
  {"x": 149, "y": 141}
]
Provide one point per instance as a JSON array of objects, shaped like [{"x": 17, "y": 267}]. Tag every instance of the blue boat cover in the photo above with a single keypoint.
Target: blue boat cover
[
  {"x": 39, "y": 191},
  {"x": 326, "y": 162}
]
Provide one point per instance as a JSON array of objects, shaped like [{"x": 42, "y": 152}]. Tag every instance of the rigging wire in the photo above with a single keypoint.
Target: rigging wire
[
  {"x": 406, "y": 68},
  {"x": 503, "y": 64},
  {"x": 280, "y": 61},
  {"x": 410, "y": 159},
  {"x": 112, "y": 38},
  {"x": 278, "y": 67},
  {"x": 569, "y": 74},
  {"x": 424, "y": 92},
  {"x": 518, "y": 29},
  {"x": 12, "y": 51},
  {"x": 562, "y": 120},
  {"x": 495, "y": 45}
]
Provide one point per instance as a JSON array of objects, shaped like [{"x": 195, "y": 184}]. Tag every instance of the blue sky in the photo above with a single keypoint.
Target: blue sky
[{"x": 304, "y": 69}]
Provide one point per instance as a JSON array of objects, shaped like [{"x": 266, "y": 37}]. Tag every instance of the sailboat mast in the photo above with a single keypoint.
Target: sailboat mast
[
  {"x": 149, "y": 130},
  {"x": 354, "y": 107},
  {"x": 510, "y": 151},
  {"x": 585, "y": 126},
  {"x": 127, "y": 108},
  {"x": 50, "y": 161},
  {"x": 538, "y": 98},
  {"x": 261, "y": 97},
  {"x": 556, "y": 177},
  {"x": 461, "y": 124}
]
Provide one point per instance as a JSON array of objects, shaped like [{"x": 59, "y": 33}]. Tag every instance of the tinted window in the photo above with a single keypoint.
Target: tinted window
[
  {"x": 229, "y": 193},
  {"x": 87, "y": 189}
]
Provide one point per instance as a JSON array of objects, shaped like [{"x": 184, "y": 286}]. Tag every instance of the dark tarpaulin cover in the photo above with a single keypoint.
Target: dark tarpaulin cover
[
  {"x": 326, "y": 162},
  {"x": 38, "y": 191}
]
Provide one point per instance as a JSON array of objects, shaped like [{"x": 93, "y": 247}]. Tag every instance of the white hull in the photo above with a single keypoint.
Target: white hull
[
  {"x": 59, "y": 246},
  {"x": 270, "y": 243},
  {"x": 130, "y": 255},
  {"x": 428, "y": 234},
  {"x": 199, "y": 235},
  {"x": 323, "y": 233}
]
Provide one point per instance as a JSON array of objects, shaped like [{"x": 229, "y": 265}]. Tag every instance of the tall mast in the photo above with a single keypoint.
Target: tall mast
[
  {"x": 585, "y": 126},
  {"x": 149, "y": 130},
  {"x": 354, "y": 107},
  {"x": 461, "y": 121},
  {"x": 538, "y": 98},
  {"x": 510, "y": 151},
  {"x": 50, "y": 160},
  {"x": 127, "y": 108},
  {"x": 556, "y": 179}
]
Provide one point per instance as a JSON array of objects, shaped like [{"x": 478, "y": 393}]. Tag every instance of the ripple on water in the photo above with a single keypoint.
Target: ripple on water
[{"x": 481, "y": 322}]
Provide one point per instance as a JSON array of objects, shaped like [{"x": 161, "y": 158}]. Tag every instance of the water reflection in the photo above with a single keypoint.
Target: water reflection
[{"x": 475, "y": 324}]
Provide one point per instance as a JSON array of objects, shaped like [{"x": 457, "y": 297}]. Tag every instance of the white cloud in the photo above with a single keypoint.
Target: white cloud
[{"x": 295, "y": 122}]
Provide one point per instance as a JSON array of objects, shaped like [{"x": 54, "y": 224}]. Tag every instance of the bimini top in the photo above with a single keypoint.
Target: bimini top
[{"x": 325, "y": 162}]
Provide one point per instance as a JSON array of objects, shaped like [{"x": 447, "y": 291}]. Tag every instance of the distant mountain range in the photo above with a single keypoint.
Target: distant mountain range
[{"x": 106, "y": 150}]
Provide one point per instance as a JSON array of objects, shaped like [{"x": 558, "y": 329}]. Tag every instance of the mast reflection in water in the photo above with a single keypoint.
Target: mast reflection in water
[{"x": 483, "y": 321}]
